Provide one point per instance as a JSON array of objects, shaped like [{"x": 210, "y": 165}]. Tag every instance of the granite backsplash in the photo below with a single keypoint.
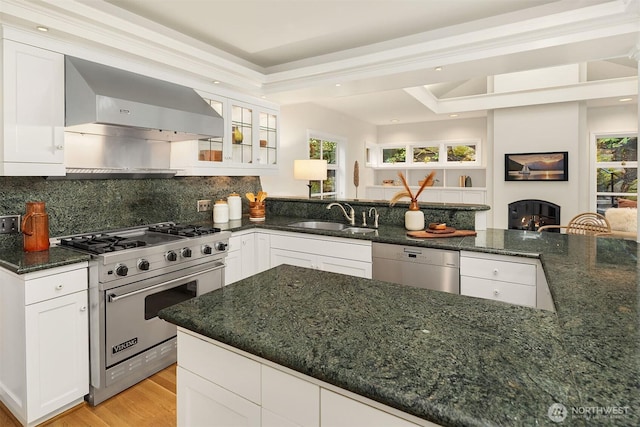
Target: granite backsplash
[{"x": 84, "y": 206}]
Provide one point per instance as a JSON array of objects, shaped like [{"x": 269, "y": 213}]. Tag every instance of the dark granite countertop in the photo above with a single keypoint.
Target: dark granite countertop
[
  {"x": 451, "y": 359},
  {"x": 14, "y": 259}
]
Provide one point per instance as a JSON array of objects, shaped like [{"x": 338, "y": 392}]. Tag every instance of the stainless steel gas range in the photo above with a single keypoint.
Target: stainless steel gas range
[{"x": 134, "y": 273}]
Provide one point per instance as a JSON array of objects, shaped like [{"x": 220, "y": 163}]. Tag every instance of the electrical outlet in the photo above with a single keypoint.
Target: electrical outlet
[
  {"x": 10, "y": 224},
  {"x": 204, "y": 205}
]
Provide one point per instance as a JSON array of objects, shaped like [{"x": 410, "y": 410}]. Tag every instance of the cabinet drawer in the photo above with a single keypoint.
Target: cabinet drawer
[
  {"x": 505, "y": 271},
  {"x": 336, "y": 247},
  {"x": 341, "y": 411},
  {"x": 55, "y": 285},
  {"x": 292, "y": 398},
  {"x": 499, "y": 291},
  {"x": 203, "y": 403},
  {"x": 225, "y": 368}
]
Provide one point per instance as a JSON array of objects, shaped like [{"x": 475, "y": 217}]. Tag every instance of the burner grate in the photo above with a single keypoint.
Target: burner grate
[
  {"x": 184, "y": 230},
  {"x": 101, "y": 243}
]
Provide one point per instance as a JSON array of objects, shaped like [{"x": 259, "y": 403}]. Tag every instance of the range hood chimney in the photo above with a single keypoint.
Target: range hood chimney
[{"x": 106, "y": 101}]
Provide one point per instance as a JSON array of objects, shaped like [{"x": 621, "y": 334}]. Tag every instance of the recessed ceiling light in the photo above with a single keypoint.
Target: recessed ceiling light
[
  {"x": 216, "y": 82},
  {"x": 394, "y": 120},
  {"x": 453, "y": 115},
  {"x": 338, "y": 85},
  {"x": 41, "y": 28},
  {"x": 438, "y": 68},
  {"x": 263, "y": 97},
  {"x": 625, "y": 99}
]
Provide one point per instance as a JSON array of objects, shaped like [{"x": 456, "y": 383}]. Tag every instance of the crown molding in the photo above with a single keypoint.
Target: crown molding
[
  {"x": 627, "y": 86},
  {"x": 100, "y": 26}
]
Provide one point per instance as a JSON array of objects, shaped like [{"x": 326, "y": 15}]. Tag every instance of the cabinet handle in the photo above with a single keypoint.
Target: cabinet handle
[
  {"x": 60, "y": 286},
  {"x": 496, "y": 292},
  {"x": 60, "y": 147},
  {"x": 495, "y": 271},
  {"x": 83, "y": 308}
]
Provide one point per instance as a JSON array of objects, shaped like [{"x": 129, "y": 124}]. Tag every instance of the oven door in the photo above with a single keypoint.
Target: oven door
[{"x": 131, "y": 312}]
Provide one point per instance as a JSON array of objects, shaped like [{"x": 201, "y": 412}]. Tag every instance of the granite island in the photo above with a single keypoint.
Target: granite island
[{"x": 449, "y": 359}]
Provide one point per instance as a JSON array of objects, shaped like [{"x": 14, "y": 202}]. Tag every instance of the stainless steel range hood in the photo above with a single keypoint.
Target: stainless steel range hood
[{"x": 106, "y": 101}]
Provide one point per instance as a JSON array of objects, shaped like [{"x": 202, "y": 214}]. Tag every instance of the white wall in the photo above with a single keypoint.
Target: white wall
[
  {"x": 542, "y": 128},
  {"x": 434, "y": 131},
  {"x": 295, "y": 120}
]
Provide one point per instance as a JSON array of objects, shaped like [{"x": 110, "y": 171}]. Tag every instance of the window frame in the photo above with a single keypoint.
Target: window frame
[
  {"x": 339, "y": 167},
  {"x": 442, "y": 161},
  {"x": 595, "y": 165}
]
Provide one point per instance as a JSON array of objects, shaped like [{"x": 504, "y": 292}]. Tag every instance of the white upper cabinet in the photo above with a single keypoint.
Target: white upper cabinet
[
  {"x": 32, "y": 111},
  {"x": 249, "y": 145}
]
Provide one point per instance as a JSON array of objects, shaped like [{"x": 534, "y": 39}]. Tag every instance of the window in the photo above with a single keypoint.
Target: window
[
  {"x": 331, "y": 149},
  {"x": 616, "y": 169},
  {"x": 433, "y": 153}
]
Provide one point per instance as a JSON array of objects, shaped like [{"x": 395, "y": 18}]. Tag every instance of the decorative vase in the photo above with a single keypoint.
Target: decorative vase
[{"x": 414, "y": 217}]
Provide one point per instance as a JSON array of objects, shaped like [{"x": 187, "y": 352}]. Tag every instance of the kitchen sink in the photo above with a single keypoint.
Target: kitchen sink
[
  {"x": 358, "y": 230},
  {"x": 320, "y": 225}
]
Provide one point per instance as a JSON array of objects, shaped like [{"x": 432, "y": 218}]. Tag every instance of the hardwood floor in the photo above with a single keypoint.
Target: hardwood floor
[{"x": 150, "y": 403}]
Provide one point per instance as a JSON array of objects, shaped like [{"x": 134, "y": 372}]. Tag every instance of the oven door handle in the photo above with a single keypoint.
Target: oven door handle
[{"x": 114, "y": 297}]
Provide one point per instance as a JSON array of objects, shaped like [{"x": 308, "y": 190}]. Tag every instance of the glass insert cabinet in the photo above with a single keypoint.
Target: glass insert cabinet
[{"x": 251, "y": 136}]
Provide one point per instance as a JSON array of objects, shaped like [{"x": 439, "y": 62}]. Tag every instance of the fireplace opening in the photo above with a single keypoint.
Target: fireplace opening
[{"x": 532, "y": 214}]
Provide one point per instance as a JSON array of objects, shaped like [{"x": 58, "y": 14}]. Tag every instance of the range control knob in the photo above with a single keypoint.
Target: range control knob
[
  {"x": 121, "y": 270},
  {"x": 185, "y": 252},
  {"x": 221, "y": 246},
  {"x": 171, "y": 256},
  {"x": 207, "y": 250},
  {"x": 143, "y": 264}
]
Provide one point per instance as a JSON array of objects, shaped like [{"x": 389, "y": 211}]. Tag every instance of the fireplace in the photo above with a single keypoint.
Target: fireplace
[{"x": 532, "y": 214}]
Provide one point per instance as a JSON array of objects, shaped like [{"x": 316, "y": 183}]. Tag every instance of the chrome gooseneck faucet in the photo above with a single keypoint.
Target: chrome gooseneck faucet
[
  {"x": 351, "y": 216},
  {"x": 375, "y": 217}
]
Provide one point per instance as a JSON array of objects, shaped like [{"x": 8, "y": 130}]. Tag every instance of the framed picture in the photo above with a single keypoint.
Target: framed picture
[{"x": 553, "y": 166}]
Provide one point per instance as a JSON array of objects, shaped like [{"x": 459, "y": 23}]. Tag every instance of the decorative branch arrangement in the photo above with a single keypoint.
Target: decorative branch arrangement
[
  {"x": 408, "y": 193},
  {"x": 356, "y": 176}
]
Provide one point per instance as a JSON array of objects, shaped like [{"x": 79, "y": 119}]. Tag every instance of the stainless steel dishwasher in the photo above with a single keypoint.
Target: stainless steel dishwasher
[{"x": 437, "y": 269}]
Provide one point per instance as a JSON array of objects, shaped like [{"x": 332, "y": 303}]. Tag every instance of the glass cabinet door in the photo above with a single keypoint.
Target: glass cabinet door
[
  {"x": 241, "y": 134},
  {"x": 211, "y": 150},
  {"x": 268, "y": 139}
]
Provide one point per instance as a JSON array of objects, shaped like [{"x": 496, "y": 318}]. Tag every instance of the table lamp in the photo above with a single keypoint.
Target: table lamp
[{"x": 310, "y": 170}]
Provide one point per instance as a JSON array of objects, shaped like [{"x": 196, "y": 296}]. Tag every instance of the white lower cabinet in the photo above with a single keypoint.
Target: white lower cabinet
[
  {"x": 334, "y": 254},
  {"x": 341, "y": 411},
  {"x": 248, "y": 254},
  {"x": 204, "y": 403},
  {"x": 291, "y": 400},
  {"x": 44, "y": 341},
  {"x": 218, "y": 386},
  {"x": 497, "y": 277}
]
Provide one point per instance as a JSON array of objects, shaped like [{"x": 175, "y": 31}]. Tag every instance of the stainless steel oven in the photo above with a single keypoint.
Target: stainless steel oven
[
  {"x": 131, "y": 311},
  {"x": 133, "y": 274}
]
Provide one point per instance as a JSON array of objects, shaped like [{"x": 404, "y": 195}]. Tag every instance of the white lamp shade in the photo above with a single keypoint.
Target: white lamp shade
[{"x": 310, "y": 170}]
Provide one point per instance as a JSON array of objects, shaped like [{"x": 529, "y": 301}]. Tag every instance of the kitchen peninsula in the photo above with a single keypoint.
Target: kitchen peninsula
[{"x": 447, "y": 359}]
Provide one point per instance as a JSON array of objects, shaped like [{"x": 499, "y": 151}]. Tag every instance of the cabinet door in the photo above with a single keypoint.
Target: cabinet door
[
  {"x": 268, "y": 138},
  {"x": 474, "y": 197},
  {"x": 212, "y": 152},
  {"x": 202, "y": 403},
  {"x": 57, "y": 353},
  {"x": 248, "y": 250},
  {"x": 340, "y": 411},
  {"x": 263, "y": 252},
  {"x": 33, "y": 90},
  {"x": 289, "y": 397},
  {"x": 233, "y": 269},
  {"x": 241, "y": 133},
  {"x": 344, "y": 266},
  {"x": 299, "y": 259}
]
